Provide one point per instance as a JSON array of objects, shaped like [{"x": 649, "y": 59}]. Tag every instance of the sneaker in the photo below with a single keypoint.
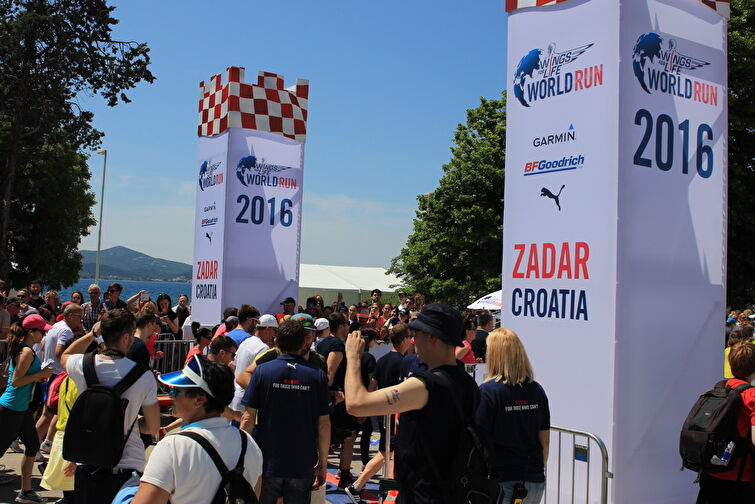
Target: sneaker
[
  {"x": 46, "y": 446},
  {"x": 41, "y": 457},
  {"x": 29, "y": 497},
  {"x": 345, "y": 478},
  {"x": 15, "y": 447},
  {"x": 354, "y": 494},
  {"x": 7, "y": 479}
]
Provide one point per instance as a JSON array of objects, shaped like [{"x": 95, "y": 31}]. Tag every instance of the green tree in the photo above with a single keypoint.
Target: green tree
[
  {"x": 50, "y": 51},
  {"x": 741, "y": 246},
  {"x": 455, "y": 251}
]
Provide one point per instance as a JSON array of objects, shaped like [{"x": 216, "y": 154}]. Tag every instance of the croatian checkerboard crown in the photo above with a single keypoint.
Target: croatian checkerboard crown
[
  {"x": 265, "y": 106},
  {"x": 720, "y": 6}
]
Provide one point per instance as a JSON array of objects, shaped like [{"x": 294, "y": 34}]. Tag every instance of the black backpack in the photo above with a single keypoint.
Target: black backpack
[
  {"x": 94, "y": 432},
  {"x": 234, "y": 488},
  {"x": 471, "y": 478},
  {"x": 710, "y": 426}
]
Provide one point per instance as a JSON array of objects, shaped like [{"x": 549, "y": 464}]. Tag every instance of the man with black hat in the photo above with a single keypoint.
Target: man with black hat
[
  {"x": 430, "y": 426},
  {"x": 289, "y": 307}
]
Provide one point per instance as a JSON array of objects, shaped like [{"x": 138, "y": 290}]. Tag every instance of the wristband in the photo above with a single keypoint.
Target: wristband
[{"x": 100, "y": 340}]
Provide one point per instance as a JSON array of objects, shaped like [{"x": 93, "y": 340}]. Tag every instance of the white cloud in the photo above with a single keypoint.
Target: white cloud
[
  {"x": 348, "y": 231},
  {"x": 337, "y": 229},
  {"x": 187, "y": 188}
]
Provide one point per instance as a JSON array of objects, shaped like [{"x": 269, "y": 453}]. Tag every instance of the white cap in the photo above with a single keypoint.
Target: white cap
[
  {"x": 322, "y": 324},
  {"x": 267, "y": 320}
]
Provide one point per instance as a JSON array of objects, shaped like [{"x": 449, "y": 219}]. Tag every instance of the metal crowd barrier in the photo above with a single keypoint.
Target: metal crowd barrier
[
  {"x": 573, "y": 482},
  {"x": 174, "y": 355}
]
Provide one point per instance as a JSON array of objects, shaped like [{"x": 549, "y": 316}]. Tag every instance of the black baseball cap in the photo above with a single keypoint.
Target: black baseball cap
[
  {"x": 441, "y": 321},
  {"x": 288, "y": 300}
]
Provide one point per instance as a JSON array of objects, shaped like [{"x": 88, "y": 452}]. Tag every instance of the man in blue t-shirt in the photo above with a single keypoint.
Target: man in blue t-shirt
[
  {"x": 248, "y": 317},
  {"x": 291, "y": 401}
]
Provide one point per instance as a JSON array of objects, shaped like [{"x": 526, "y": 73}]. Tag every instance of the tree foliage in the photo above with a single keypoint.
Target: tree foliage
[
  {"x": 50, "y": 52},
  {"x": 455, "y": 251},
  {"x": 741, "y": 259}
]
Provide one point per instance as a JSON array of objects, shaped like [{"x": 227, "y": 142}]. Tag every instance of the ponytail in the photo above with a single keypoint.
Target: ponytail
[
  {"x": 16, "y": 335},
  {"x": 200, "y": 332}
]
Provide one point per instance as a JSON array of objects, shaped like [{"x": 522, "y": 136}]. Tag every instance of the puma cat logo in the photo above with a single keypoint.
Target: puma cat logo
[{"x": 545, "y": 192}]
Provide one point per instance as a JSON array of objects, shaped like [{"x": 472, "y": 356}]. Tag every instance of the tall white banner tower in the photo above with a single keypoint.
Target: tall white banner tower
[
  {"x": 248, "y": 213},
  {"x": 614, "y": 242}
]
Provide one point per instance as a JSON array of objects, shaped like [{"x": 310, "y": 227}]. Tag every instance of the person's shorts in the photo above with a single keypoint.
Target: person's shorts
[{"x": 342, "y": 424}]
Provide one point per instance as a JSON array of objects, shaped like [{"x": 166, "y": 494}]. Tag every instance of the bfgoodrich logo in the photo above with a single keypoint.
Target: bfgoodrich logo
[
  {"x": 539, "y": 77},
  {"x": 658, "y": 65},
  {"x": 251, "y": 171}
]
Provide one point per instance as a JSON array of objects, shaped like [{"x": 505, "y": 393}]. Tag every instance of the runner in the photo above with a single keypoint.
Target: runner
[{"x": 429, "y": 423}]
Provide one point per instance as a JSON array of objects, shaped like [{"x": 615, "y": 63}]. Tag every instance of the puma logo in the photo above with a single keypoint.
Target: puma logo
[
  {"x": 209, "y": 237},
  {"x": 545, "y": 192}
]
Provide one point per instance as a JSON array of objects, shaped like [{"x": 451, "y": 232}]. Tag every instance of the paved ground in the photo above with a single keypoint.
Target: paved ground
[{"x": 12, "y": 463}]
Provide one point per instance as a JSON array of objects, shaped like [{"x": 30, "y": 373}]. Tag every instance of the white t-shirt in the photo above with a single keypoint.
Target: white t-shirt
[
  {"x": 181, "y": 467},
  {"x": 142, "y": 393},
  {"x": 60, "y": 334},
  {"x": 249, "y": 349}
]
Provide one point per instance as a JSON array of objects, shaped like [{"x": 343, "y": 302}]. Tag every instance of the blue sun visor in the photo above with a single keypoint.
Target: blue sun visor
[{"x": 189, "y": 376}]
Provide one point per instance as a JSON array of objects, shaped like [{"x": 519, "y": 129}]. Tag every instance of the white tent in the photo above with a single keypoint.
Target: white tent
[
  {"x": 491, "y": 302},
  {"x": 354, "y": 282}
]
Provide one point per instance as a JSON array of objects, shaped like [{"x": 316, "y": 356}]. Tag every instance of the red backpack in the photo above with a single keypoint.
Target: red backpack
[{"x": 53, "y": 391}]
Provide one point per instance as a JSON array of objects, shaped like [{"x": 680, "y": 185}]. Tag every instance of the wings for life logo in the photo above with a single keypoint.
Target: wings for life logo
[
  {"x": 207, "y": 175},
  {"x": 251, "y": 171},
  {"x": 541, "y": 75},
  {"x": 660, "y": 67}
]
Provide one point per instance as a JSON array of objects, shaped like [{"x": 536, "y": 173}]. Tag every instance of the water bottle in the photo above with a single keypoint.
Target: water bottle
[{"x": 725, "y": 456}]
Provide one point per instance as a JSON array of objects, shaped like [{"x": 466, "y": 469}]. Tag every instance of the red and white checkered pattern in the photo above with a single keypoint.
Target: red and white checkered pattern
[
  {"x": 265, "y": 106},
  {"x": 720, "y": 6}
]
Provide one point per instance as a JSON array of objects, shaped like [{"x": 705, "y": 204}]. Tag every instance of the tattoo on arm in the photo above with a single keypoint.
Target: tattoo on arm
[{"x": 392, "y": 397}]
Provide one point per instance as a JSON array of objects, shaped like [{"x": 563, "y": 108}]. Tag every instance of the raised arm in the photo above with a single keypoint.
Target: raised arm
[{"x": 411, "y": 394}]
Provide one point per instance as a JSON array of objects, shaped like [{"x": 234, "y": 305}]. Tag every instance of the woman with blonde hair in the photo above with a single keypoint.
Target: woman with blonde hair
[{"x": 514, "y": 413}]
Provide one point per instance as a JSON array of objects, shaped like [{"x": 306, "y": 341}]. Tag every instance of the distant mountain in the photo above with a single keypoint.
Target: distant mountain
[{"x": 121, "y": 263}]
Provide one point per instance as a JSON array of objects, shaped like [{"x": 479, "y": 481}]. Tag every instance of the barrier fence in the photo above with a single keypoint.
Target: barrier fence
[
  {"x": 576, "y": 477},
  {"x": 173, "y": 355}
]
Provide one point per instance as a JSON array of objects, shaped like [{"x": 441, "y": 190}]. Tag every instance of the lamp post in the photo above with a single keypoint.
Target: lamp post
[{"x": 102, "y": 152}]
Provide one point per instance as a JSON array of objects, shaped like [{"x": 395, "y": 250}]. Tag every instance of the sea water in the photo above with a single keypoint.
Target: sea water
[{"x": 130, "y": 287}]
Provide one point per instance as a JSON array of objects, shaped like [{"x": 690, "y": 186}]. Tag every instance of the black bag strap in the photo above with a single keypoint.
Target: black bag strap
[
  {"x": 240, "y": 463},
  {"x": 136, "y": 372},
  {"x": 211, "y": 451},
  {"x": 90, "y": 375}
]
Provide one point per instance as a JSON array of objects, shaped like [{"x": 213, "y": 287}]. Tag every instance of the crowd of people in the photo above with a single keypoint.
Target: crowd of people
[
  {"x": 267, "y": 398},
  {"x": 272, "y": 395}
]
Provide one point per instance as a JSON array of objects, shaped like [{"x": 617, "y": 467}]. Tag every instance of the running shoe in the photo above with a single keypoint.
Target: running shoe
[
  {"x": 29, "y": 497},
  {"x": 41, "y": 457},
  {"x": 345, "y": 478},
  {"x": 7, "y": 479},
  {"x": 354, "y": 494},
  {"x": 15, "y": 447},
  {"x": 46, "y": 446}
]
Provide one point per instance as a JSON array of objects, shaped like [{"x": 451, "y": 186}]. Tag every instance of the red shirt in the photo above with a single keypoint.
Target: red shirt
[
  {"x": 744, "y": 429},
  {"x": 194, "y": 351},
  {"x": 469, "y": 358}
]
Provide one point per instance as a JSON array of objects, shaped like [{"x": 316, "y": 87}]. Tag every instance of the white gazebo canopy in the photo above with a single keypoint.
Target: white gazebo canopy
[{"x": 354, "y": 282}]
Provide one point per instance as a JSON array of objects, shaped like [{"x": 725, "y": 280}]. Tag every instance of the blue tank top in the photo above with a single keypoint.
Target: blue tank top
[{"x": 17, "y": 398}]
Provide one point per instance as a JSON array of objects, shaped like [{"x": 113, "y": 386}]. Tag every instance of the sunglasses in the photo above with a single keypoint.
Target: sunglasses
[
  {"x": 177, "y": 391},
  {"x": 112, "y": 290}
]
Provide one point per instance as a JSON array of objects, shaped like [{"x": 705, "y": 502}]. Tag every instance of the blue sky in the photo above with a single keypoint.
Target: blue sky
[{"x": 389, "y": 82}]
